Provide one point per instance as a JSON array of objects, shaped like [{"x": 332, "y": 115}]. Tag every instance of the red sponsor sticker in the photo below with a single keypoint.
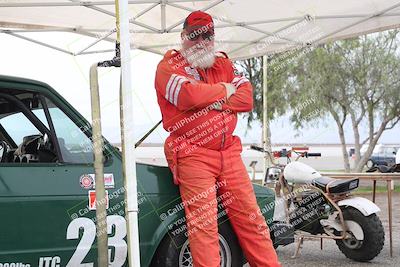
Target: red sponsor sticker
[
  {"x": 109, "y": 180},
  {"x": 86, "y": 181},
  {"x": 92, "y": 199}
]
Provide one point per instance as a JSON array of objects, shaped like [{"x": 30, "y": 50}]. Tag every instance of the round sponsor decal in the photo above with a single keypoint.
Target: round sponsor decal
[{"x": 86, "y": 181}]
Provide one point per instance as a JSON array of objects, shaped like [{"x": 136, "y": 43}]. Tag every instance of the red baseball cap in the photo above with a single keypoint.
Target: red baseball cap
[{"x": 198, "y": 19}]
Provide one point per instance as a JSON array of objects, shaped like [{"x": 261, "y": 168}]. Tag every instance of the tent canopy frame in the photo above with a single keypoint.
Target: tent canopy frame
[{"x": 16, "y": 30}]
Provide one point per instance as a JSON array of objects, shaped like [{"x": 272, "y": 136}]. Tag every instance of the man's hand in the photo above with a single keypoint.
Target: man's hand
[
  {"x": 230, "y": 89},
  {"x": 217, "y": 106}
]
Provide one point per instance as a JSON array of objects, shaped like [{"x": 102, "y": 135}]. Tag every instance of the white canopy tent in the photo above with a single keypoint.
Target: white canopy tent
[{"x": 243, "y": 29}]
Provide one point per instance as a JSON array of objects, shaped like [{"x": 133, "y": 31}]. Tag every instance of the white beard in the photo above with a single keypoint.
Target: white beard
[{"x": 203, "y": 58}]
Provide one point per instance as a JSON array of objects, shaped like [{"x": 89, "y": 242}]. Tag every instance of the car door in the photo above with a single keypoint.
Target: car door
[{"x": 48, "y": 208}]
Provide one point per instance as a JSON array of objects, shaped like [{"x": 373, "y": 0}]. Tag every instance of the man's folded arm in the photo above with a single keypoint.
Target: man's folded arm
[
  {"x": 242, "y": 99},
  {"x": 186, "y": 93}
]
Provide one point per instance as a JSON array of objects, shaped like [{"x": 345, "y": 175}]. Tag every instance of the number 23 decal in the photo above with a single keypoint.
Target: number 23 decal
[{"x": 114, "y": 222}]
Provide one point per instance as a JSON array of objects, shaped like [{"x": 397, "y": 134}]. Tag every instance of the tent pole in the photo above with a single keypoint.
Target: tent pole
[
  {"x": 98, "y": 144},
  {"x": 266, "y": 140},
  {"x": 127, "y": 140}
]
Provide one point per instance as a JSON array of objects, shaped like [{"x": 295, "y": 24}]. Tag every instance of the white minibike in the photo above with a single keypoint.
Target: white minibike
[{"x": 309, "y": 205}]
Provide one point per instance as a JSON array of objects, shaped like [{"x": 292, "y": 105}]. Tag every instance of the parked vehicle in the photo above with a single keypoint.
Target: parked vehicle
[
  {"x": 47, "y": 198},
  {"x": 382, "y": 155},
  {"x": 323, "y": 207},
  {"x": 387, "y": 169}
]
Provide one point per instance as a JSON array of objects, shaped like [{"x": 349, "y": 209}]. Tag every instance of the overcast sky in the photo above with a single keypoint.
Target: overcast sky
[{"x": 70, "y": 77}]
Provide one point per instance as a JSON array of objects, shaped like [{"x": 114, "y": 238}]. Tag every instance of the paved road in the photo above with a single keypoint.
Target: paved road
[{"x": 312, "y": 256}]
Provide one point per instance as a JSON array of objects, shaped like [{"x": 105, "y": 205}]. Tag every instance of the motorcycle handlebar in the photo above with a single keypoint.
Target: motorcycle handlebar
[
  {"x": 313, "y": 155},
  {"x": 254, "y": 147},
  {"x": 286, "y": 153}
]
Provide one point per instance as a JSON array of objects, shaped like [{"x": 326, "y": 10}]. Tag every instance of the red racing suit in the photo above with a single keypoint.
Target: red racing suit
[
  {"x": 202, "y": 153},
  {"x": 186, "y": 96}
]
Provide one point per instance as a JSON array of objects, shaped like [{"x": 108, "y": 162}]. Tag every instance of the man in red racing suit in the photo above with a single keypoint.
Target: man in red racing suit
[{"x": 200, "y": 93}]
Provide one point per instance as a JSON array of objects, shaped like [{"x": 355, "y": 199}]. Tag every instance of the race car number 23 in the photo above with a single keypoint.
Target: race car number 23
[{"x": 114, "y": 222}]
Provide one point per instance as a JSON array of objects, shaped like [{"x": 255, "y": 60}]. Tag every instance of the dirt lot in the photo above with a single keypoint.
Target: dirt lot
[{"x": 311, "y": 254}]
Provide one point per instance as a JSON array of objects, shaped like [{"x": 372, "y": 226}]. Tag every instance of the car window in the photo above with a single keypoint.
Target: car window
[
  {"x": 75, "y": 146},
  {"x": 390, "y": 152},
  {"x": 18, "y": 126},
  {"x": 41, "y": 116}
]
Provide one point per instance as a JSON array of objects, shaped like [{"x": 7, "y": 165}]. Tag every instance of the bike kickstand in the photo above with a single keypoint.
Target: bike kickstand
[{"x": 299, "y": 243}]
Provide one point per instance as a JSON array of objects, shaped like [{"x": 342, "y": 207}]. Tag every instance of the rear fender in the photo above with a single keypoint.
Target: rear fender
[{"x": 365, "y": 206}]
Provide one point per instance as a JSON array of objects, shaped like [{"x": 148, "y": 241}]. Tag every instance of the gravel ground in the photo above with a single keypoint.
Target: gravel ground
[{"x": 311, "y": 254}]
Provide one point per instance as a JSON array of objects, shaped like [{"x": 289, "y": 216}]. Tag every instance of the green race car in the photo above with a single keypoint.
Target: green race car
[{"x": 47, "y": 191}]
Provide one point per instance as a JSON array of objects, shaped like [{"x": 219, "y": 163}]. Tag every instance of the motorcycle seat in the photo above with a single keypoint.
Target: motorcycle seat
[
  {"x": 334, "y": 186},
  {"x": 384, "y": 168}
]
